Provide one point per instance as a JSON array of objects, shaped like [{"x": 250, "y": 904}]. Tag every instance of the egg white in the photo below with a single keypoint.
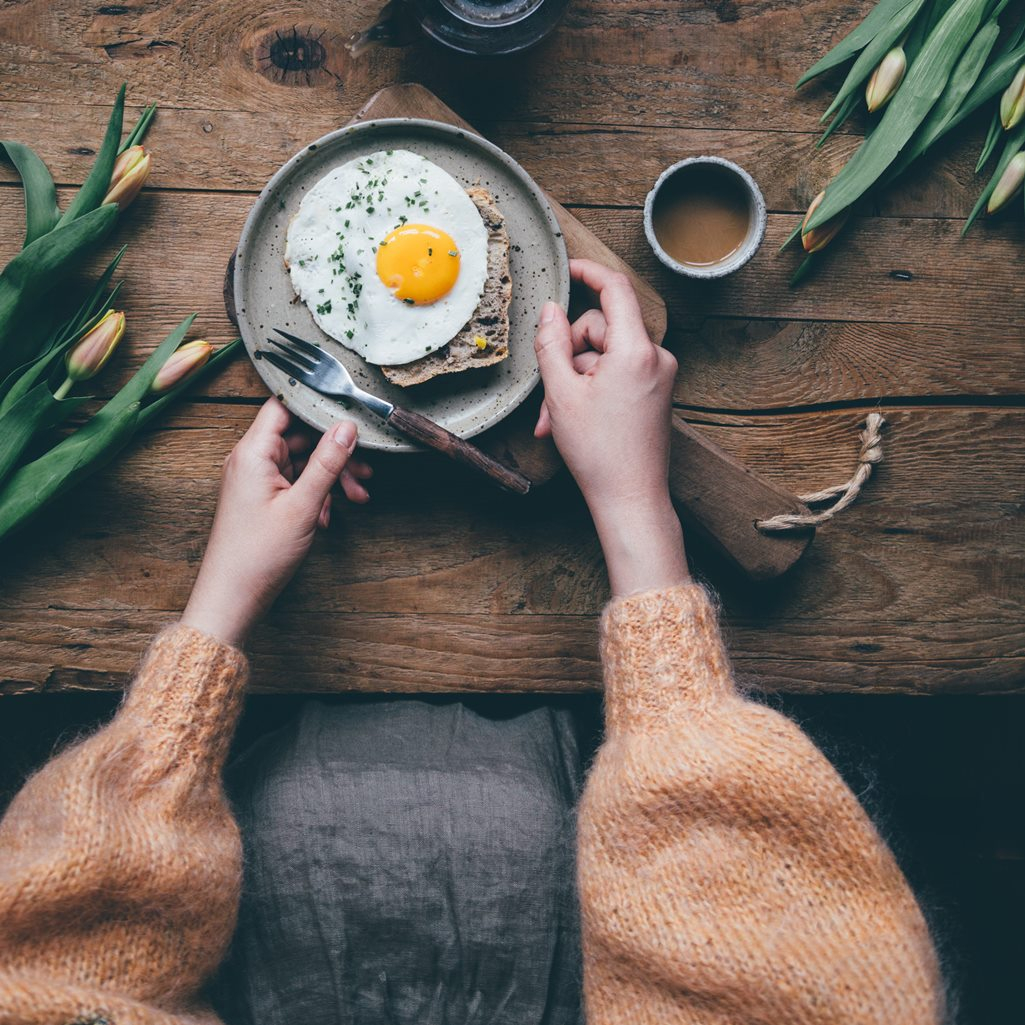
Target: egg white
[{"x": 331, "y": 253}]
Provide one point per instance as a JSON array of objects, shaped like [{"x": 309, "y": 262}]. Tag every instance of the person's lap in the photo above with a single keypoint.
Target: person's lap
[{"x": 409, "y": 861}]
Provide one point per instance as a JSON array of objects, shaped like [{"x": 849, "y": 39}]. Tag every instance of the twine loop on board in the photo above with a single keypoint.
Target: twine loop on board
[{"x": 871, "y": 454}]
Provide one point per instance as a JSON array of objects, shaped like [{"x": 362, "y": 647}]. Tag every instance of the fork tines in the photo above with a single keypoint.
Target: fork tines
[
  {"x": 285, "y": 365},
  {"x": 308, "y": 347}
]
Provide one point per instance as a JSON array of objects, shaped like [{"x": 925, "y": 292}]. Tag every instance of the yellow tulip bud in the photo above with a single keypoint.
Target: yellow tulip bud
[
  {"x": 96, "y": 346},
  {"x": 886, "y": 79},
  {"x": 820, "y": 237},
  {"x": 180, "y": 364},
  {"x": 1012, "y": 103},
  {"x": 1010, "y": 182},
  {"x": 126, "y": 180}
]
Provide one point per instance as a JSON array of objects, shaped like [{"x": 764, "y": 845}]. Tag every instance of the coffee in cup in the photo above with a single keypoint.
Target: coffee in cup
[{"x": 705, "y": 217}]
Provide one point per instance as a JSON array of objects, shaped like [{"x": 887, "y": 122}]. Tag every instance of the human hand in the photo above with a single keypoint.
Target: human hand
[
  {"x": 608, "y": 395},
  {"x": 275, "y": 493}
]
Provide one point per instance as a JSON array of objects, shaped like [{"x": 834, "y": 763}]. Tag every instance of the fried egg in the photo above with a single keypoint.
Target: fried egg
[{"x": 390, "y": 255}]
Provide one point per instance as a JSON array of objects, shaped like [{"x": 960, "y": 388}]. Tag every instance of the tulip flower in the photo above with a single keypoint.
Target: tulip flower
[
  {"x": 1009, "y": 184},
  {"x": 886, "y": 79},
  {"x": 90, "y": 353},
  {"x": 818, "y": 238},
  {"x": 1012, "y": 103},
  {"x": 180, "y": 364},
  {"x": 126, "y": 180}
]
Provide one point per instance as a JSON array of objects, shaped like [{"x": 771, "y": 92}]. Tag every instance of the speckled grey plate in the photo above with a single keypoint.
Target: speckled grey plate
[{"x": 465, "y": 403}]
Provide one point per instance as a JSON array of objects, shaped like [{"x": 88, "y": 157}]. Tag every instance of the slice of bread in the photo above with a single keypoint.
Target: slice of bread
[{"x": 484, "y": 340}]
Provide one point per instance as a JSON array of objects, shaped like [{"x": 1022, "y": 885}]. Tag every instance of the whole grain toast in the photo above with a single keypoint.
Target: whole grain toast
[{"x": 485, "y": 338}]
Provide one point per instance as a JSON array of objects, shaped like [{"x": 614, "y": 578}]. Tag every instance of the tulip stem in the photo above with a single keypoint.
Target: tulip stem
[{"x": 62, "y": 391}]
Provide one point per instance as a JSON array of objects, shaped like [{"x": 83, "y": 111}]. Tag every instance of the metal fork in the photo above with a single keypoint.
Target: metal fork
[{"x": 319, "y": 370}]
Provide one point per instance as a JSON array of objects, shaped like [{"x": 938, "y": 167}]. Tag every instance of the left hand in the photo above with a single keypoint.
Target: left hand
[
  {"x": 275, "y": 493},
  {"x": 608, "y": 407}
]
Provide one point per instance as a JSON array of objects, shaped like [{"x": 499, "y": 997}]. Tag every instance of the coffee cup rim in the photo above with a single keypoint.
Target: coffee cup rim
[{"x": 731, "y": 263}]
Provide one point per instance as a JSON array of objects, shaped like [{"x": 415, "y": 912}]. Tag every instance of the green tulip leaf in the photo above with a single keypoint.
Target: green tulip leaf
[
  {"x": 96, "y": 186},
  {"x": 138, "y": 133},
  {"x": 996, "y": 130},
  {"x": 803, "y": 270},
  {"x": 921, "y": 89},
  {"x": 96, "y": 443},
  {"x": 225, "y": 352},
  {"x": 1012, "y": 147},
  {"x": 843, "y": 114},
  {"x": 995, "y": 79},
  {"x": 870, "y": 58},
  {"x": 34, "y": 412},
  {"x": 858, "y": 38},
  {"x": 962, "y": 80},
  {"x": 91, "y": 310},
  {"x": 33, "y": 275},
  {"x": 138, "y": 387},
  {"x": 41, "y": 210},
  {"x": 37, "y": 483},
  {"x": 793, "y": 235}
]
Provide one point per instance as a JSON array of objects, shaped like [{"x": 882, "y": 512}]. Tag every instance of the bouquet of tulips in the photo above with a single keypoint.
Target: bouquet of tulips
[
  {"x": 49, "y": 347},
  {"x": 927, "y": 65}
]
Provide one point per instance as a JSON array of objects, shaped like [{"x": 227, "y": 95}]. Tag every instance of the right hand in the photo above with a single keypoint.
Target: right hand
[
  {"x": 608, "y": 393},
  {"x": 275, "y": 493},
  {"x": 608, "y": 401}
]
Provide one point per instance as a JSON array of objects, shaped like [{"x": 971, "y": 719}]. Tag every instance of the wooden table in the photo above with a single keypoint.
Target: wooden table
[{"x": 443, "y": 583}]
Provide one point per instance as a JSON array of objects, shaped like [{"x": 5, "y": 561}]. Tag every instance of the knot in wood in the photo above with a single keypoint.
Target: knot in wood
[
  {"x": 295, "y": 52},
  {"x": 298, "y": 56}
]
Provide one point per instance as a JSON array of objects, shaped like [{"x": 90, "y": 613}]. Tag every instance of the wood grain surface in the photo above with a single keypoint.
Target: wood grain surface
[{"x": 439, "y": 584}]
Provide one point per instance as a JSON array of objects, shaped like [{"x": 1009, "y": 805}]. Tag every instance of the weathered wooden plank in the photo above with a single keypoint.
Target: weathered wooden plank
[
  {"x": 728, "y": 363},
  {"x": 61, "y": 651},
  {"x": 677, "y": 63},
  {"x": 907, "y": 271},
  {"x": 320, "y": 651},
  {"x": 600, "y": 165},
  {"x": 919, "y": 586},
  {"x": 748, "y": 342}
]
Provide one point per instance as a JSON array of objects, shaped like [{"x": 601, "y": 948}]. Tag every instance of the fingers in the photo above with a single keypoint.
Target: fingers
[
  {"x": 617, "y": 297},
  {"x": 354, "y": 473},
  {"x": 543, "y": 427},
  {"x": 272, "y": 420},
  {"x": 300, "y": 441},
  {"x": 360, "y": 469},
  {"x": 325, "y": 466},
  {"x": 586, "y": 362},
  {"x": 589, "y": 330},
  {"x": 354, "y": 490},
  {"x": 553, "y": 345}
]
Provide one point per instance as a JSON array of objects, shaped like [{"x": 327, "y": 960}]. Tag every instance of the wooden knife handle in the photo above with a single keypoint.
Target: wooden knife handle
[
  {"x": 720, "y": 498},
  {"x": 427, "y": 432}
]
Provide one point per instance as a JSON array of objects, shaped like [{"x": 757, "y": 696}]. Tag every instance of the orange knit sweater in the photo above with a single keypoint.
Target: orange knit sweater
[{"x": 726, "y": 873}]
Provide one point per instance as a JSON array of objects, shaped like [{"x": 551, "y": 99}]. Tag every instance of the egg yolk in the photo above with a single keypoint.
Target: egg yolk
[{"x": 417, "y": 263}]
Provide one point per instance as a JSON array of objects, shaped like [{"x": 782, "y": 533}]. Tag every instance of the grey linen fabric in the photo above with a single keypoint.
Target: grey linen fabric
[{"x": 410, "y": 861}]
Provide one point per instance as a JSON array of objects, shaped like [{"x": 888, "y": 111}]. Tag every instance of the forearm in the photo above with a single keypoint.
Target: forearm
[
  {"x": 720, "y": 849},
  {"x": 642, "y": 542},
  {"x": 222, "y": 605},
  {"x": 119, "y": 860}
]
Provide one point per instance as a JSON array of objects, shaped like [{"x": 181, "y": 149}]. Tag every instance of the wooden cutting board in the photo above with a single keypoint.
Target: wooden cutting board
[{"x": 717, "y": 495}]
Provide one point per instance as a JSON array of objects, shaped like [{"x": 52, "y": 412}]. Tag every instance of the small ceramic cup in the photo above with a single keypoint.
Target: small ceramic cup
[{"x": 736, "y": 259}]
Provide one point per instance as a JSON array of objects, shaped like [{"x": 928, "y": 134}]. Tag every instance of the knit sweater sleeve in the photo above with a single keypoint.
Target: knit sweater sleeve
[
  {"x": 119, "y": 860},
  {"x": 726, "y": 872}
]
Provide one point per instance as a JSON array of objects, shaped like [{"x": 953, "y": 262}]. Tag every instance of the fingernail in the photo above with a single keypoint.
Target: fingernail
[
  {"x": 548, "y": 312},
  {"x": 345, "y": 433}
]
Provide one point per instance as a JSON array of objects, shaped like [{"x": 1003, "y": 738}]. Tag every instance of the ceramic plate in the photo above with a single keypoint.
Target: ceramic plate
[{"x": 465, "y": 403}]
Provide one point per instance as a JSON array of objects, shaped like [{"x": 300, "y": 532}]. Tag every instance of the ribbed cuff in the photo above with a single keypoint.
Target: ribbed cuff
[
  {"x": 188, "y": 693},
  {"x": 662, "y": 656}
]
